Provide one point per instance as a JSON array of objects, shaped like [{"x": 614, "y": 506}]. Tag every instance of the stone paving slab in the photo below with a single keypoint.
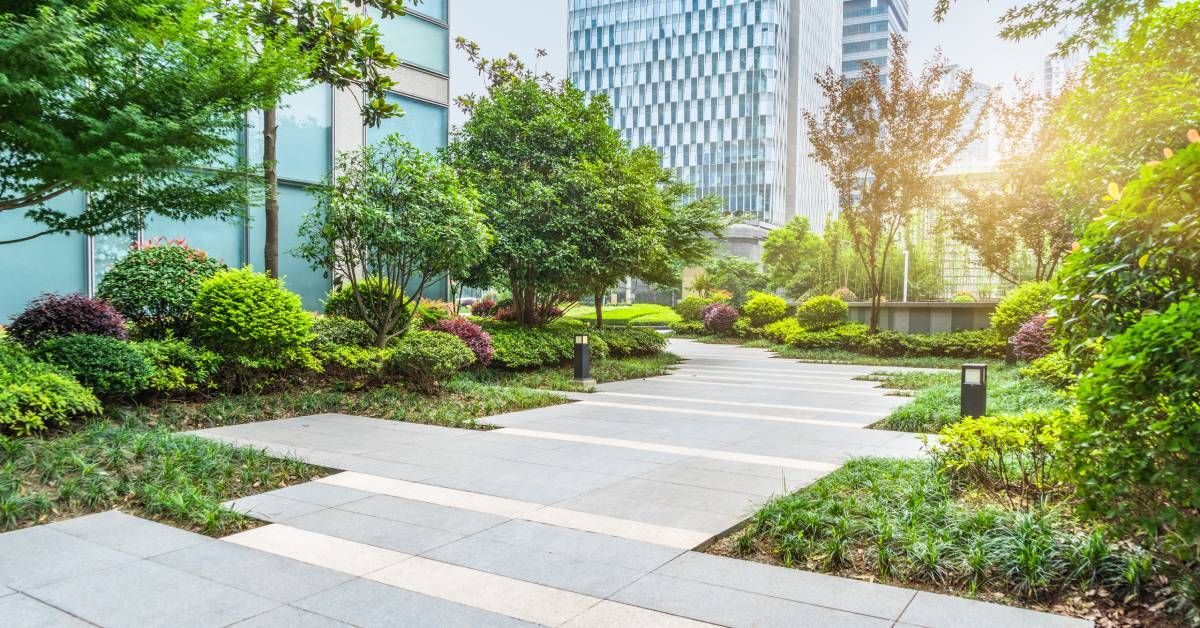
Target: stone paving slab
[
  {"x": 262, "y": 573},
  {"x": 290, "y": 617},
  {"x": 372, "y": 604},
  {"x": 21, "y": 610},
  {"x": 129, "y": 534}
]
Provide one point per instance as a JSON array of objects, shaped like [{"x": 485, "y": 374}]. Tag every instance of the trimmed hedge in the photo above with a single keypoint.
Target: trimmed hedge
[
  {"x": 632, "y": 341},
  {"x": 854, "y": 337},
  {"x": 106, "y": 365},
  {"x": 425, "y": 359},
  {"x": 689, "y": 328},
  {"x": 763, "y": 308},
  {"x": 178, "y": 366},
  {"x": 253, "y": 321},
  {"x": 692, "y": 308},
  {"x": 154, "y": 286},
  {"x": 518, "y": 347}
]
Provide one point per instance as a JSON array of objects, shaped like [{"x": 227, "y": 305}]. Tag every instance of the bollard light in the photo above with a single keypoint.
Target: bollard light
[
  {"x": 974, "y": 390},
  {"x": 582, "y": 360}
]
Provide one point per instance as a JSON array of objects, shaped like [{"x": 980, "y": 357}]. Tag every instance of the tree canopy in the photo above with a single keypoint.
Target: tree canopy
[
  {"x": 1093, "y": 21},
  {"x": 793, "y": 258}
]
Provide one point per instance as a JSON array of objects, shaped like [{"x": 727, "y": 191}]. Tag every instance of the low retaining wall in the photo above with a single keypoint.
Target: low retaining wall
[{"x": 926, "y": 317}]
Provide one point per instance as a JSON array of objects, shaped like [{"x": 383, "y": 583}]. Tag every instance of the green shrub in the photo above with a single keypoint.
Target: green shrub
[
  {"x": 1010, "y": 454},
  {"x": 252, "y": 321},
  {"x": 518, "y": 347},
  {"x": 352, "y": 360},
  {"x": 849, "y": 337},
  {"x": 425, "y": 359},
  {"x": 338, "y": 330},
  {"x": 178, "y": 366},
  {"x": 963, "y": 297},
  {"x": 783, "y": 331},
  {"x": 154, "y": 286},
  {"x": 373, "y": 291},
  {"x": 1053, "y": 369},
  {"x": 1137, "y": 445},
  {"x": 845, "y": 294},
  {"x": 34, "y": 396},
  {"x": 819, "y": 313},
  {"x": 631, "y": 341},
  {"x": 106, "y": 365},
  {"x": 763, "y": 308},
  {"x": 743, "y": 329},
  {"x": 1020, "y": 305},
  {"x": 689, "y": 328},
  {"x": 692, "y": 308},
  {"x": 978, "y": 343}
]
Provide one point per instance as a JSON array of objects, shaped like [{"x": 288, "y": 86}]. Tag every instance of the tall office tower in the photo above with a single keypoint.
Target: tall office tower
[
  {"x": 867, "y": 27},
  {"x": 716, "y": 87}
]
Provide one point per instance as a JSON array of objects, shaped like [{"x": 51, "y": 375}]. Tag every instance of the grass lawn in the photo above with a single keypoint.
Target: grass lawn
[
  {"x": 900, "y": 521},
  {"x": 559, "y": 378},
  {"x": 621, "y": 315}
]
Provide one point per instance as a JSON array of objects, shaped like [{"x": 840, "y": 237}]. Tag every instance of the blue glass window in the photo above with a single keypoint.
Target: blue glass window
[
  {"x": 424, "y": 124},
  {"x": 294, "y": 204},
  {"x": 416, "y": 41},
  {"x": 51, "y": 263},
  {"x": 304, "y": 139},
  {"x": 220, "y": 239},
  {"x": 435, "y": 9}
]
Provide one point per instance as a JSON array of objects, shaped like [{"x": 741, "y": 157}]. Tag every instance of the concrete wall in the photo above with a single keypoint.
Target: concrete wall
[{"x": 926, "y": 318}]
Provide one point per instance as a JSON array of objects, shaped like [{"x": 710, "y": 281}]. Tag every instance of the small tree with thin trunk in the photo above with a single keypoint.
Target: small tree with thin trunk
[
  {"x": 395, "y": 218},
  {"x": 883, "y": 140}
]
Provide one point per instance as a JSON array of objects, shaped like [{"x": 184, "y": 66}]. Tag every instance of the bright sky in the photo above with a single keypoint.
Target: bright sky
[{"x": 967, "y": 37}]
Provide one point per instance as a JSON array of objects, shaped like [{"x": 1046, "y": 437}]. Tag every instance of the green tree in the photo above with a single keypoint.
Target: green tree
[
  {"x": 132, "y": 101},
  {"x": 736, "y": 275},
  {"x": 793, "y": 258},
  {"x": 398, "y": 214},
  {"x": 1094, "y": 21},
  {"x": 534, "y": 148},
  {"x": 341, "y": 47},
  {"x": 882, "y": 142}
]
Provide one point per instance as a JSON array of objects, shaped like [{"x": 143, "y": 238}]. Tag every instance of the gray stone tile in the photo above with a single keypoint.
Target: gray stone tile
[
  {"x": 290, "y": 617},
  {"x": 385, "y": 468},
  {"x": 370, "y": 604},
  {"x": 5, "y": 591},
  {"x": 591, "y": 546},
  {"x": 129, "y": 534},
  {"x": 385, "y": 533},
  {"x": 23, "y": 611},
  {"x": 525, "y": 481},
  {"x": 456, "y": 520},
  {"x": 944, "y": 611},
  {"x": 268, "y": 575},
  {"x": 626, "y": 507},
  {"x": 321, "y": 494},
  {"x": 536, "y": 565},
  {"x": 865, "y": 598},
  {"x": 683, "y": 496},
  {"x": 272, "y": 507},
  {"x": 145, "y": 593},
  {"x": 41, "y": 555},
  {"x": 729, "y": 607}
]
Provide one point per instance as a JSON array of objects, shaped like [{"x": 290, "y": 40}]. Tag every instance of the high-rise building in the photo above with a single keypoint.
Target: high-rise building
[
  {"x": 314, "y": 125},
  {"x": 867, "y": 27},
  {"x": 716, "y": 86}
]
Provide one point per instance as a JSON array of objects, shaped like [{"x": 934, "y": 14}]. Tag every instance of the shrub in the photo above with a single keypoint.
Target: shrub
[
  {"x": 518, "y": 347},
  {"x": 743, "y": 329},
  {"x": 688, "y": 328},
  {"x": 1033, "y": 339},
  {"x": 430, "y": 312},
  {"x": 1137, "y": 445},
  {"x": 963, "y": 297},
  {"x": 155, "y": 284},
  {"x": 52, "y": 316},
  {"x": 338, "y": 330},
  {"x": 631, "y": 341},
  {"x": 845, "y": 294},
  {"x": 720, "y": 296},
  {"x": 762, "y": 308},
  {"x": 1052, "y": 368},
  {"x": 483, "y": 307},
  {"x": 352, "y": 360},
  {"x": 822, "y": 312},
  {"x": 1020, "y": 305},
  {"x": 34, "y": 396},
  {"x": 178, "y": 366},
  {"x": 1010, "y": 454},
  {"x": 508, "y": 314},
  {"x": 719, "y": 318},
  {"x": 783, "y": 331},
  {"x": 376, "y": 294},
  {"x": 476, "y": 339},
  {"x": 849, "y": 337},
  {"x": 425, "y": 359},
  {"x": 252, "y": 321},
  {"x": 692, "y": 308},
  {"x": 106, "y": 365}
]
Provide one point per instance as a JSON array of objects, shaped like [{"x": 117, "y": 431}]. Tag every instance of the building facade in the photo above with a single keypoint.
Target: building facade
[
  {"x": 714, "y": 86},
  {"x": 314, "y": 125},
  {"x": 867, "y": 27}
]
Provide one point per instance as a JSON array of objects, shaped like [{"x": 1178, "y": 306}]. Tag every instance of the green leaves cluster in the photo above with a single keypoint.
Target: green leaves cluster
[
  {"x": 425, "y": 359},
  {"x": 35, "y": 396},
  {"x": 154, "y": 286},
  {"x": 110, "y": 367},
  {"x": 1020, "y": 305}
]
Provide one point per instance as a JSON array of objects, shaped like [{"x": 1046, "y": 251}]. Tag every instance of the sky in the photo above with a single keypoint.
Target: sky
[{"x": 968, "y": 37}]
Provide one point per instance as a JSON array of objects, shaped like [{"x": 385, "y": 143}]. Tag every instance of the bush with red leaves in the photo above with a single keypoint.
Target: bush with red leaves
[
  {"x": 478, "y": 340},
  {"x": 1033, "y": 339},
  {"x": 51, "y": 316},
  {"x": 720, "y": 317},
  {"x": 483, "y": 307}
]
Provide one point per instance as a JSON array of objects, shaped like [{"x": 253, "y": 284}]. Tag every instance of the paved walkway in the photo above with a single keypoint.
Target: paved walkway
[{"x": 575, "y": 515}]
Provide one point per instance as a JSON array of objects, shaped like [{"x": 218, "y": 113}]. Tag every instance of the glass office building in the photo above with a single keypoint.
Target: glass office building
[
  {"x": 314, "y": 125},
  {"x": 715, "y": 87},
  {"x": 867, "y": 27}
]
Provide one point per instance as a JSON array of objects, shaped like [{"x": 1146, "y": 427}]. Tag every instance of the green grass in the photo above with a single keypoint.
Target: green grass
[
  {"x": 936, "y": 402},
  {"x": 151, "y": 472},
  {"x": 837, "y": 356},
  {"x": 621, "y": 315},
  {"x": 900, "y": 521},
  {"x": 560, "y": 378}
]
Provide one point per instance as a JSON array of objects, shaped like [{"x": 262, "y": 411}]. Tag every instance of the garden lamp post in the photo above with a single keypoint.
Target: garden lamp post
[
  {"x": 974, "y": 390},
  {"x": 582, "y": 361}
]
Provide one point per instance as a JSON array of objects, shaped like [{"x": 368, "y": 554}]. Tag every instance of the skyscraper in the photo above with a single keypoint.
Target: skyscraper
[
  {"x": 867, "y": 26},
  {"x": 716, "y": 86}
]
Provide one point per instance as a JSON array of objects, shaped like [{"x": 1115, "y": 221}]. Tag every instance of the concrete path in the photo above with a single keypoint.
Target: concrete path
[{"x": 575, "y": 515}]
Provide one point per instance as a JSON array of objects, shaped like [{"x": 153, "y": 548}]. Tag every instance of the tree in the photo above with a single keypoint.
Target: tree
[
  {"x": 534, "y": 148},
  {"x": 398, "y": 218},
  {"x": 792, "y": 258},
  {"x": 1095, "y": 20},
  {"x": 735, "y": 275},
  {"x": 131, "y": 101},
  {"x": 883, "y": 141},
  {"x": 342, "y": 48},
  {"x": 1015, "y": 222}
]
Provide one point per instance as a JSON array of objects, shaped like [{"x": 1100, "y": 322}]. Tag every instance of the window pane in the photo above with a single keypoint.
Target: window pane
[
  {"x": 222, "y": 240},
  {"x": 423, "y": 124},
  {"x": 294, "y": 204},
  {"x": 435, "y": 9},
  {"x": 304, "y": 140},
  {"x": 416, "y": 41},
  {"x": 53, "y": 263}
]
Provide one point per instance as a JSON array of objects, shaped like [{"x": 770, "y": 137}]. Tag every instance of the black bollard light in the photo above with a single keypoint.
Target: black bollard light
[
  {"x": 582, "y": 360},
  {"x": 974, "y": 390}
]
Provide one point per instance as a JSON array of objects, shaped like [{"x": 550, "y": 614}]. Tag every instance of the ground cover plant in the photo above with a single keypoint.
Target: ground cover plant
[
  {"x": 648, "y": 314},
  {"x": 561, "y": 377}
]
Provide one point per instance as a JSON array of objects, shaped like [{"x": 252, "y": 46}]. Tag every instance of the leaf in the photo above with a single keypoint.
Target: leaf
[
  {"x": 1114, "y": 190},
  {"x": 1142, "y": 260},
  {"x": 1193, "y": 136}
]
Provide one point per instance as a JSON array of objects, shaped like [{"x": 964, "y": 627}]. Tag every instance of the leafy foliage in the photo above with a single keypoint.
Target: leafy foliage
[
  {"x": 1094, "y": 20},
  {"x": 339, "y": 330},
  {"x": 688, "y": 328},
  {"x": 632, "y": 341},
  {"x": 35, "y": 396},
  {"x": 476, "y": 339},
  {"x": 51, "y": 316},
  {"x": 739, "y": 277},
  {"x": 938, "y": 404},
  {"x": 1053, "y": 369},
  {"x": 108, "y": 366},
  {"x": 763, "y": 308},
  {"x": 425, "y": 359},
  {"x": 179, "y": 367},
  {"x": 1021, "y": 305},
  {"x": 719, "y": 318},
  {"x": 517, "y": 347},
  {"x": 691, "y": 308},
  {"x": 155, "y": 284},
  {"x": 820, "y": 313},
  {"x": 252, "y": 321},
  {"x": 1012, "y": 454},
  {"x": 483, "y": 307},
  {"x": 792, "y": 258},
  {"x": 1033, "y": 339}
]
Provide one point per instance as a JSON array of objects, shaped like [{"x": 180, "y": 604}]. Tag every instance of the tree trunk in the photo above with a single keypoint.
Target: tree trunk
[
  {"x": 876, "y": 306},
  {"x": 599, "y": 310},
  {"x": 271, "y": 176}
]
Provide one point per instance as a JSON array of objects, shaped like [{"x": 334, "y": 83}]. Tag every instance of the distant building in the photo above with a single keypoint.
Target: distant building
[{"x": 867, "y": 27}]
